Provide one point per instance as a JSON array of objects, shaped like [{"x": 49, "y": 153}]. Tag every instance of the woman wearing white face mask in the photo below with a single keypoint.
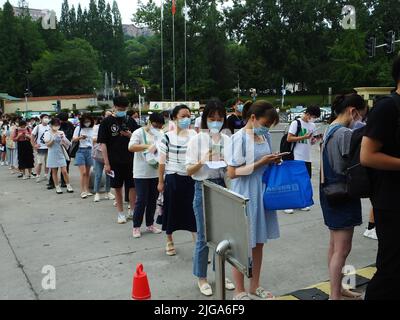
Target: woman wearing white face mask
[
  {"x": 251, "y": 153},
  {"x": 145, "y": 172},
  {"x": 57, "y": 145},
  {"x": 209, "y": 145},
  {"x": 179, "y": 187},
  {"x": 84, "y": 134}
]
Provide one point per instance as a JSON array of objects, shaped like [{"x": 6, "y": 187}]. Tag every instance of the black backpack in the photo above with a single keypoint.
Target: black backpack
[
  {"x": 359, "y": 184},
  {"x": 289, "y": 146}
]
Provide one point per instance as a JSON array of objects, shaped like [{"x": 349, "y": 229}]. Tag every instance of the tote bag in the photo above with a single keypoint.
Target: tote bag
[{"x": 288, "y": 186}]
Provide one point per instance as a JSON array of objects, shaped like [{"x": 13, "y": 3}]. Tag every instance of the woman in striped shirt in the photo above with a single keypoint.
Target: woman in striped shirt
[{"x": 174, "y": 181}]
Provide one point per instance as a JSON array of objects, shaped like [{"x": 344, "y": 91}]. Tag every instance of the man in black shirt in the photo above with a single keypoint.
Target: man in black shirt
[
  {"x": 235, "y": 121},
  {"x": 381, "y": 151},
  {"x": 114, "y": 135}
]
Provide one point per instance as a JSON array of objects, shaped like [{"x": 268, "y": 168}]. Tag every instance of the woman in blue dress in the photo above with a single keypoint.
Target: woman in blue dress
[
  {"x": 250, "y": 155},
  {"x": 58, "y": 145}
]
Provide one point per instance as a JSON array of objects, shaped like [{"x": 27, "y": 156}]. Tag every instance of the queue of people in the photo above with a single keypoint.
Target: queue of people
[{"x": 167, "y": 161}]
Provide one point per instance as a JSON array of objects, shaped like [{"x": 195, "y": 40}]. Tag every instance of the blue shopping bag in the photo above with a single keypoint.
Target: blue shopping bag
[{"x": 288, "y": 186}]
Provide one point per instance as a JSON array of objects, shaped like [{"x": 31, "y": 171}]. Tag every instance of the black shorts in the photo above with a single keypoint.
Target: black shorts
[{"x": 123, "y": 176}]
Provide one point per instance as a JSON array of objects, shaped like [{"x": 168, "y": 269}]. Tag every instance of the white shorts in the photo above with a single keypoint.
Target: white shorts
[{"x": 41, "y": 157}]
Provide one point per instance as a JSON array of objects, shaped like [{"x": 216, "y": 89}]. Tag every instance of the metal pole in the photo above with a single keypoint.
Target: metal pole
[
  {"x": 283, "y": 94},
  {"x": 186, "y": 15},
  {"x": 220, "y": 256}
]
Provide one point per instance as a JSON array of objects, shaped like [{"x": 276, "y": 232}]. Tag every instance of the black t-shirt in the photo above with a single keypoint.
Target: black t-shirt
[
  {"x": 117, "y": 145},
  {"x": 383, "y": 126},
  {"x": 68, "y": 129},
  {"x": 234, "y": 123}
]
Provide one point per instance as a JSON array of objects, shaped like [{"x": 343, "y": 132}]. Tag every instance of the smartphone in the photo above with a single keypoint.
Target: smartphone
[
  {"x": 111, "y": 174},
  {"x": 283, "y": 154}
]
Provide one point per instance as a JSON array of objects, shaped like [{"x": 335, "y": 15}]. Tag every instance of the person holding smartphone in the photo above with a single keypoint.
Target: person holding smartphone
[
  {"x": 57, "y": 144},
  {"x": 249, "y": 155},
  {"x": 84, "y": 134},
  {"x": 114, "y": 135},
  {"x": 303, "y": 138},
  {"x": 22, "y": 136}
]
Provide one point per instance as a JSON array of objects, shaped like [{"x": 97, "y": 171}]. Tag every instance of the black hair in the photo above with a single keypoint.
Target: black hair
[
  {"x": 131, "y": 112},
  {"x": 396, "y": 70},
  {"x": 121, "y": 101},
  {"x": 63, "y": 116},
  {"x": 43, "y": 115},
  {"x": 177, "y": 109},
  {"x": 157, "y": 118},
  {"x": 246, "y": 108},
  {"x": 342, "y": 102},
  {"x": 22, "y": 123},
  {"x": 83, "y": 118},
  {"x": 213, "y": 106},
  {"x": 314, "y": 111},
  {"x": 55, "y": 122},
  {"x": 262, "y": 108}
]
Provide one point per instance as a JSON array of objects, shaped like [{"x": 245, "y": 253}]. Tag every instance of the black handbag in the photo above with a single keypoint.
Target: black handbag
[
  {"x": 73, "y": 149},
  {"x": 336, "y": 193}
]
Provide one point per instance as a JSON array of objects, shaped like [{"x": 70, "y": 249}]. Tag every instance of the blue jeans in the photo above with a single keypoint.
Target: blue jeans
[
  {"x": 98, "y": 173},
  {"x": 146, "y": 201},
  {"x": 200, "y": 256}
]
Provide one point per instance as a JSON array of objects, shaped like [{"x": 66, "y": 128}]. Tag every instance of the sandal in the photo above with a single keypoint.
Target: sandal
[
  {"x": 170, "y": 249},
  {"x": 229, "y": 284},
  {"x": 351, "y": 294},
  {"x": 262, "y": 294},
  {"x": 242, "y": 296}
]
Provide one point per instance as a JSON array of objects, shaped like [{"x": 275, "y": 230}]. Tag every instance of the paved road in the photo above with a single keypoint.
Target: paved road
[{"x": 95, "y": 258}]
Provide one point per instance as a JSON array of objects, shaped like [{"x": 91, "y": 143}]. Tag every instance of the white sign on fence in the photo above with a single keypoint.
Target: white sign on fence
[{"x": 169, "y": 105}]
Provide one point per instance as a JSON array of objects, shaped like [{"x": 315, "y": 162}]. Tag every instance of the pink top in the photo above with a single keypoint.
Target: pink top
[{"x": 17, "y": 131}]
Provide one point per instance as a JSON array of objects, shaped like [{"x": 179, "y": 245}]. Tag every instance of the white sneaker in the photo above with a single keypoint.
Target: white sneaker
[
  {"x": 136, "y": 233},
  {"x": 69, "y": 189},
  {"x": 306, "y": 209},
  {"x": 2, "y": 163},
  {"x": 289, "y": 211},
  {"x": 121, "y": 218},
  {"x": 153, "y": 229},
  {"x": 84, "y": 195},
  {"x": 97, "y": 197},
  {"x": 89, "y": 194},
  {"x": 25, "y": 177},
  {"x": 205, "y": 289},
  {"x": 130, "y": 215},
  {"x": 59, "y": 190},
  {"x": 371, "y": 234},
  {"x": 39, "y": 179},
  {"x": 109, "y": 196}
]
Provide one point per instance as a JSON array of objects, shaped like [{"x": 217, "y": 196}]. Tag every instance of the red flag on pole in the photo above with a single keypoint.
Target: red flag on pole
[{"x": 173, "y": 7}]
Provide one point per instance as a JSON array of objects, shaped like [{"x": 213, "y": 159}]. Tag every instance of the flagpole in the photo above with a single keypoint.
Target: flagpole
[
  {"x": 173, "y": 50},
  {"x": 186, "y": 15},
  {"x": 162, "y": 50}
]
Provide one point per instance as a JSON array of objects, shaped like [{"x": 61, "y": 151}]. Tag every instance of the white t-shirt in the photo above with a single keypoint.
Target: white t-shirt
[
  {"x": 175, "y": 151},
  {"x": 302, "y": 150},
  {"x": 95, "y": 131},
  {"x": 141, "y": 169},
  {"x": 198, "y": 148},
  {"x": 88, "y": 132},
  {"x": 197, "y": 123},
  {"x": 39, "y": 132}
]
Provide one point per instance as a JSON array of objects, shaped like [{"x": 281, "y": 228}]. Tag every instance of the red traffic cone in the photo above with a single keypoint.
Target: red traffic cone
[{"x": 140, "y": 286}]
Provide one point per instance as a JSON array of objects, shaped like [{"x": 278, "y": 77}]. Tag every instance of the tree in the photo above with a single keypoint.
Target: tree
[
  {"x": 71, "y": 70},
  {"x": 64, "y": 22},
  {"x": 11, "y": 79}
]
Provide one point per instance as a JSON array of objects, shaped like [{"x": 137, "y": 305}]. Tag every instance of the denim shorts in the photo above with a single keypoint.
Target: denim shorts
[{"x": 84, "y": 157}]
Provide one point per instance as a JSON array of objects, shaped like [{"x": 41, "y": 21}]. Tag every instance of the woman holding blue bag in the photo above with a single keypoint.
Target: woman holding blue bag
[
  {"x": 341, "y": 213},
  {"x": 250, "y": 155}
]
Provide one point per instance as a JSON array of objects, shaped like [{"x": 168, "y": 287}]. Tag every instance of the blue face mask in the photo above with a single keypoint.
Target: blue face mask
[
  {"x": 215, "y": 126},
  {"x": 120, "y": 114},
  {"x": 240, "y": 107},
  {"x": 184, "y": 123},
  {"x": 261, "y": 131}
]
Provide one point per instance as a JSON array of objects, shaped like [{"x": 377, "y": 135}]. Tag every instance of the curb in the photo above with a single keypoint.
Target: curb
[{"x": 321, "y": 291}]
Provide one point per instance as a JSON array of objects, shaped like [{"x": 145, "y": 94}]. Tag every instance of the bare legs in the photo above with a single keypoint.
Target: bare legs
[
  {"x": 84, "y": 178},
  {"x": 339, "y": 249}
]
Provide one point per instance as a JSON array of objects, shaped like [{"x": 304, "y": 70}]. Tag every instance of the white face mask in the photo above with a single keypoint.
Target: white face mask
[
  {"x": 56, "y": 128},
  {"x": 87, "y": 124},
  {"x": 46, "y": 120}
]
